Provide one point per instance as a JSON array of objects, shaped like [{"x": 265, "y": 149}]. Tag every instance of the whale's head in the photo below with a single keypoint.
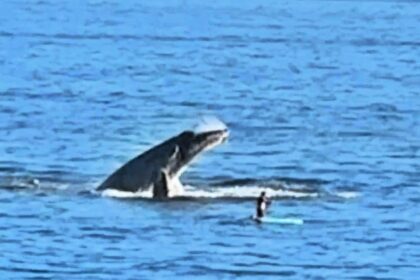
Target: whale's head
[{"x": 189, "y": 145}]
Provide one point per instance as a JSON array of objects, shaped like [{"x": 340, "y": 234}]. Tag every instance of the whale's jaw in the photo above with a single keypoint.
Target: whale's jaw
[{"x": 190, "y": 146}]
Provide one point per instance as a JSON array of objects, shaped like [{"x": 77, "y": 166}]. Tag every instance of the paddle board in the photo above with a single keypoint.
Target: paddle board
[{"x": 276, "y": 220}]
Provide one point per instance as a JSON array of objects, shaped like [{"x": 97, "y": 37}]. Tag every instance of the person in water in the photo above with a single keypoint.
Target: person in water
[{"x": 262, "y": 204}]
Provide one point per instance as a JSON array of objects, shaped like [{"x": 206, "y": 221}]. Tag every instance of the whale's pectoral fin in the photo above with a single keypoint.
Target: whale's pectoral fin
[
  {"x": 161, "y": 186},
  {"x": 174, "y": 153}
]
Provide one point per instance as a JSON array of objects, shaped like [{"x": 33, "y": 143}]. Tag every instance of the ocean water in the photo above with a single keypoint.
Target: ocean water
[{"x": 322, "y": 100}]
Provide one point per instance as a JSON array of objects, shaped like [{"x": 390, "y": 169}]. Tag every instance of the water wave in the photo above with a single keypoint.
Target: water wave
[
  {"x": 235, "y": 189},
  {"x": 235, "y": 192}
]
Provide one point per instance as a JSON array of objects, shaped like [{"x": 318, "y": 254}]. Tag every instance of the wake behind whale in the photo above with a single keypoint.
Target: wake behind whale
[
  {"x": 217, "y": 193},
  {"x": 248, "y": 189},
  {"x": 239, "y": 189}
]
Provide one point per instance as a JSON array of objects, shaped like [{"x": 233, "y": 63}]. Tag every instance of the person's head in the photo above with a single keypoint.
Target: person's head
[{"x": 262, "y": 193}]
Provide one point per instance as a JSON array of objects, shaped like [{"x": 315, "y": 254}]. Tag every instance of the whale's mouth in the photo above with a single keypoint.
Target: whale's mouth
[
  {"x": 209, "y": 133},
  {"x": 203, "y": 141},
  {"x": 210, "y": 139},
  {"x": 190, "y": 145}
]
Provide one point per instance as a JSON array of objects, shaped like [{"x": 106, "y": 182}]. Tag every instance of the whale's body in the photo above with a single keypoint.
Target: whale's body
[{"x": 159, "y": 168}]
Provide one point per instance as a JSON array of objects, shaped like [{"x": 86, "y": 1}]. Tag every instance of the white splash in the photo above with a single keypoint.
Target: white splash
[
  {"x": 209, "y": 123},
  {"x": 242, "y": 192},
  {"x": 249, "y": 192},
  {"x": 139, "y": 194},
  {"x": 123, "y": 194},
  {"x": 348, "y": 195}
]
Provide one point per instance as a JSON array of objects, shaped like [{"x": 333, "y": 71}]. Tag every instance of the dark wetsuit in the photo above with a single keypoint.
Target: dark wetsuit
[{"x": 260, "y": 206}]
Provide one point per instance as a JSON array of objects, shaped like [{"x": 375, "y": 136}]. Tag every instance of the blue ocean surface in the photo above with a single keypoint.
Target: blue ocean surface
[{"x": 322, "y": 100}]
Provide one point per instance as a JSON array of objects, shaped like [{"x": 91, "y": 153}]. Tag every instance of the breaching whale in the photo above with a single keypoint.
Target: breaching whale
[{"x": 159, "y": 168}]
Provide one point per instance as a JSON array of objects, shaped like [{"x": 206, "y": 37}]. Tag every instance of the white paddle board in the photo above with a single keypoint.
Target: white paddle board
[{"x": 276, "y": 220}]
